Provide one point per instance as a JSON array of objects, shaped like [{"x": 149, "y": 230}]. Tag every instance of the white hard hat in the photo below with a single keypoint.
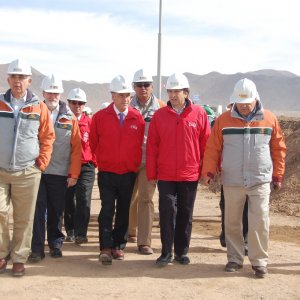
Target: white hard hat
[
  {"x": 19, "y": 67},
  {"x": 104, "y": 105},
  {"x": 77, "y": 94},
  {"x": 177, "y": 82},
  {"x": 142, "y": 76},
  {"x": 120, "y": 85},
  {"x": 229, "y": 105},
  {"x": 244, "y": 92},
  {"x": 52, "y": 84},
  {"x": 88, "y": 110}
]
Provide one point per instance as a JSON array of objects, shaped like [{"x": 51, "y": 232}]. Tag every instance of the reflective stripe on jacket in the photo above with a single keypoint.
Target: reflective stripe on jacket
[
  {"x": 252, "y": 152},
  {"x": 27, "y": 139},
  {"x": 66, "y": 155}
]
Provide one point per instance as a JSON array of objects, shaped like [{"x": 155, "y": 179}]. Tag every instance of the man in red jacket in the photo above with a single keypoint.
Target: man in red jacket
[
  {"x": 116, "y": 138},
  {"x": 78, "y": 197},
  {"x": 175, "y": 147}
]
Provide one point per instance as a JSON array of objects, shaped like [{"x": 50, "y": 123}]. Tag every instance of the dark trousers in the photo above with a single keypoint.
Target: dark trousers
[
  {"x": 245, "y": 217},
  {"x": 115, "y": 191},
  {"x": 78, "y": 201},
  {"x": 51, "y": 198},
  {"x": 176, "y": 205}
]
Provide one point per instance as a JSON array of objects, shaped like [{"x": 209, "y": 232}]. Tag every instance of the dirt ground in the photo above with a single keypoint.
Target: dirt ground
[{"x": 79, "y": 275}]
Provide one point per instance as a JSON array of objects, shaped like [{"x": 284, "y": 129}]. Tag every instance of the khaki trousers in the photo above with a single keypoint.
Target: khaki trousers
[
  {"x": 20, "y": 189},
  {"x": 141, "y": 212},
  {"x": 258, "y": 220}
]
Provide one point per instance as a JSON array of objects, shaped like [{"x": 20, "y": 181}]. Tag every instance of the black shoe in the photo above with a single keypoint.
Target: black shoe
[
  {"x": 222, "y": 240},
  {"x": 55, "y": 253},
  {"x": 70, "y": 236},
  {"x": 182, "y": 259},
  {"x": 164, "y": 259},
  {"x": 260, "y": 271},
  {"x": 81, "y": 239},
  {"x": 35, "y": 257}
]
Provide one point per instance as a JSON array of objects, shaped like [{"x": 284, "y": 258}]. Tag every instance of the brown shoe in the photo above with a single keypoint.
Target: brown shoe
[
  {"x": 117, "y": 254},
  {"x": 3, "y": 264},
  {"x": 105, "y": 256},
  {"x": 18, "y": 269},
  {"x": 132, "y": 239},
  {"x": 145, "y": 250}
]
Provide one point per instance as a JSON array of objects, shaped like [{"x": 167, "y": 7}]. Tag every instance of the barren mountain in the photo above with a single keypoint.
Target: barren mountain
[{"x": 279, "y": 90}]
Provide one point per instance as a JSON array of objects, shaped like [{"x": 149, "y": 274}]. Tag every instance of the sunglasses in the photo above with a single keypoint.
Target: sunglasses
[
  {"x": 142, "y": 84},
  {"x": 76, "y": 102}
]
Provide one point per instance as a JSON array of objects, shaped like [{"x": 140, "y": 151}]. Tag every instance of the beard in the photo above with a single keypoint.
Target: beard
[{"x": 51, "y": 104}]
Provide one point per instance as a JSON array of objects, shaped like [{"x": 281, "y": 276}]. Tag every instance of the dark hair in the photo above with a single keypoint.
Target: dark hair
[{"x": 187, "y": 90}]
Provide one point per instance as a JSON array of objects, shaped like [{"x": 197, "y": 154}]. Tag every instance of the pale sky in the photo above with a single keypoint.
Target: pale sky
[{"x": 95, "y": 40}]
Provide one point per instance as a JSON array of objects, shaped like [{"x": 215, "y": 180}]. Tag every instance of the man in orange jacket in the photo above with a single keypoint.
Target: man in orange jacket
[
  {"x": 62, "y": 172},
  {"x": 252, "y": 147},
  {"x": 27, "y": 136}
]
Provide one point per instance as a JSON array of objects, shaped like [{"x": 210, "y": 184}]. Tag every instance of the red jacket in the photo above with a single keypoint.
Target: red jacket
[
  {"x": 117, "y": 149},
  {"x": 86, "y": 152},
  {"x": 176, "y": 143}
]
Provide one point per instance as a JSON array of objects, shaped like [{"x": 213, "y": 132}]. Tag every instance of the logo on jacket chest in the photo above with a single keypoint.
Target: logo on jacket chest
[
  {"x": 192, "y": 124},
  {"x": 85, "y": 137},
  {"x": 134, "y": 127}
]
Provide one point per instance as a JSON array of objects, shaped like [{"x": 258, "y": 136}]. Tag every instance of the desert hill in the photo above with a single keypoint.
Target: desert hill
[
  {"x": 287, "y": 200},
  {"x": 279, "y": 90}
]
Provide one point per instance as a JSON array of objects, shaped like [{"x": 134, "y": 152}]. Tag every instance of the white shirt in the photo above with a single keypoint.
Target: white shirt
[
  {"x": 17, "y": 104},
  {"x": 54, "y": 114},
  {"x": 125, "y": 112}
]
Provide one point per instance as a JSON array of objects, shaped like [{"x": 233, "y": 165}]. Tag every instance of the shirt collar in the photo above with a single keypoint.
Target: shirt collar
[
  {"x": 125, "y": 112},
  {"x": 251, "y": 115},
  {"x": 179, "y": 111},
  {"x": 23, "y": 99}
]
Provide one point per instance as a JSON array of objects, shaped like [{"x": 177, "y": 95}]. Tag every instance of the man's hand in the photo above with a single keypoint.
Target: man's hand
[
  {"x": 277, "y": 186},
  {"x": 71, "y": 182},
  {"x": 153, "y": 182},
  {"x": 206, "y": 180}
]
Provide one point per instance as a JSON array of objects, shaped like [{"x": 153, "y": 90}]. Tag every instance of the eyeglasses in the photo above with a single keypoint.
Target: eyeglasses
[
  {"x": 142, "y": 84},
  {"x": 76, "y": 102}
]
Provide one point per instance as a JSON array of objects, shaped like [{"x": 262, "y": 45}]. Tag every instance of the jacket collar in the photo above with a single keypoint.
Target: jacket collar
[
  {"x": 187, "y": 106},
  {"x": 256, "y": 115},
  {"x": 7, "y": 96}
]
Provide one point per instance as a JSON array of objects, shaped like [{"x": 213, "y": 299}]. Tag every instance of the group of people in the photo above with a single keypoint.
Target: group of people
[{"x": 137, "y": 143}]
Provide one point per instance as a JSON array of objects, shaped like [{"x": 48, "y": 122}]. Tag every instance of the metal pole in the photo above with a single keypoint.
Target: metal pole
[{"x": 159, "y": 55}]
